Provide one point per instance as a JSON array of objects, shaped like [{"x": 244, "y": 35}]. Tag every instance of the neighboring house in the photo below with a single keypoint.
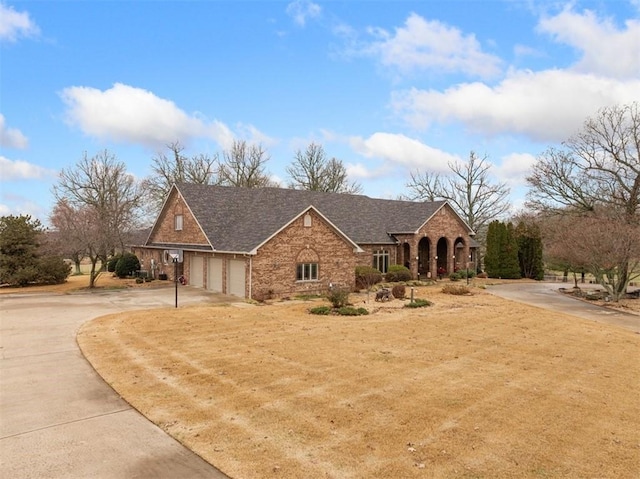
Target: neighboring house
[{"x": 263, "y": 242}]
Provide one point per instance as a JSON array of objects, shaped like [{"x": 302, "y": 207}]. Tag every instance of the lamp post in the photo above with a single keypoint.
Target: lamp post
[{"x": 175, "y": 276}]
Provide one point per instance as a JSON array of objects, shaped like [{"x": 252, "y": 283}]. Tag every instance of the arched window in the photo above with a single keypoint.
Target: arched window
[{"x": 307, "y": 265}]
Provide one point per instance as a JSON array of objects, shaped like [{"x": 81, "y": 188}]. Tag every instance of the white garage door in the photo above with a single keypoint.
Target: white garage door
[
  {"x": 235, "y": 277},
  {"x": 214, "y": 275},
  {"x": 197, "y": 272}
]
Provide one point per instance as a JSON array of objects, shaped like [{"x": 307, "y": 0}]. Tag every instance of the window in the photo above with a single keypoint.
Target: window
[
  {"x": 177, "y": 221},
  {"x": 381, "y": 260},
  {"x": 307, "y": 220},
  {"x": 307, "y": 272}
]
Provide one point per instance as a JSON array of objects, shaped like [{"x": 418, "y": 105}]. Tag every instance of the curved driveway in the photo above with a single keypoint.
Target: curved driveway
[
  {"x": 547, "y": 296},
  {"x": 58, "y": 418}
]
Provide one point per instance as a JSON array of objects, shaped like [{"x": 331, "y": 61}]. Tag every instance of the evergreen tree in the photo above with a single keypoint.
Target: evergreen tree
[
  {"x": 492, "y": 255},
  {"x": 530, "y": 250},
  {"x": 501, "y": 259},
  {"x": 21, "y": 261},
  {"x": 19, "y": 242},
  {"x": 510, "y": 265}
]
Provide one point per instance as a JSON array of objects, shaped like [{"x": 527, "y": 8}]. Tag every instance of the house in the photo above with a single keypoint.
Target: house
[{"x": 263, "y": 242}]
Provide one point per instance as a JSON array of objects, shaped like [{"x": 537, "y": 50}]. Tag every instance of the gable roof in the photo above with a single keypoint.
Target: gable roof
[{"x": 240, "y": 219}]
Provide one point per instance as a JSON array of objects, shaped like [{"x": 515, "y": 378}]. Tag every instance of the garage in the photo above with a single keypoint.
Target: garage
[
  {"x": 214, "y": 275},
  {"x": 235, "y": 277},
  {"x": 196, "y": 271}
]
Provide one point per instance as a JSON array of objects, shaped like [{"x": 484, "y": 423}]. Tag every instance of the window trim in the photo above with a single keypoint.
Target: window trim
[
  {"x": 381, "y": 259},
  {"x": 306, "y": 272},
  {"x": 178, "y": 222}
]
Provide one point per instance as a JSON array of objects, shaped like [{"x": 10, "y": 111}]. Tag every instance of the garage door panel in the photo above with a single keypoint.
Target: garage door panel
[
  {"x": 197, "y": 271},
  {"x": 214, "y": 275},
  {"x": 236, "y": 277}
]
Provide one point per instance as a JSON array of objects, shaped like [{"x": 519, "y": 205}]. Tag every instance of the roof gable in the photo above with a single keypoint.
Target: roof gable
[{"x": 356, "y": 248}]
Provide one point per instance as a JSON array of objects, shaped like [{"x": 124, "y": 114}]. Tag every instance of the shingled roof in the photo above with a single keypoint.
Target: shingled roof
[{"x": 241, "y": 219}]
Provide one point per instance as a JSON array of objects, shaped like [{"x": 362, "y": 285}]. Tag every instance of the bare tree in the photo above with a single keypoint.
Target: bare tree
[
  {"x": 596, "y": 177},
  {"x": 311, "y": 170},
  {"x": 468, "y": 187},
  {"x": 177, "y": 168},
  {"x": 600, "y": 166},
  {"x": 244, "y": 165},
  {"x": 67, "y": 238},
  {"x": 598, "y": 242},
  {"x": 105, "y": 199}
]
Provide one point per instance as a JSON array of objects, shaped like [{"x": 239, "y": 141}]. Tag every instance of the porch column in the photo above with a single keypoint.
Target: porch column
[
  {"x": 451, "y": 258},
  {"x": 413, "y": 257},
  {"x": 433, "y": 260}
]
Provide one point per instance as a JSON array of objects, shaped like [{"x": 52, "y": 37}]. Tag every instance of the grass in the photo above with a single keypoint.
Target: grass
[{"x": 474, "y": 386}]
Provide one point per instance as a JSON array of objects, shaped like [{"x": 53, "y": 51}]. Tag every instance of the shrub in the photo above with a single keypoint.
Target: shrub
[
  {"x": 53, "y": 270},
  {"x": 139, "y": 280},
  {"x": 127, "y": 265},
  {"x": 367, "y": 276},
  {"x": 418, "y": 303},
  {"x": 111, "y": 264},
  {"x": 22, "y": 277},
  {"x": 398, "y": 291},
  {"x": 463, "y": 273},
  {"x": 456, "y": 289},
  {"x": 351, "y": 311},
  {"x": 483, "y": 275},
  {"x": 338, "y": 296},
  {"x": 454, "y": 277},
  {"x": 398, "y": 272},
  {"x": 322, "y": 310}
]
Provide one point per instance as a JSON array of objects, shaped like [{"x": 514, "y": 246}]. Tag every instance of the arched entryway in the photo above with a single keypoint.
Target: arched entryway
[
  {"x": 424, "y": 254},
  {"x": 406, "y": 255},
  {"x": 442, "y": 255}
]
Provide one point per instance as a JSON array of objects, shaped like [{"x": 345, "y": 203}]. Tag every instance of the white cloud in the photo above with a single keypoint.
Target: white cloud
[
  {"x": 21, "y": 170},
  {"x": 402, "y": 151},
  {"x": 606, "y": 50},
  {"x": 545, "y": 106},
  {"x": 14, "y": 25},
  {"x": 132, "y": 115},
  {"x": 434, "y": 46},
  {"x": 11, "y": 137},
  {"x": 360, "y": 171},
  {"x": 514, "y": 169},
  {"x": 301, "y": 10}
]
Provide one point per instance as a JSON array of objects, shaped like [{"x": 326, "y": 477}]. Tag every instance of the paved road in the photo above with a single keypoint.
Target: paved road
[
  {"x": 58, "y": 418},
  {"x": 546, "y": 295}
]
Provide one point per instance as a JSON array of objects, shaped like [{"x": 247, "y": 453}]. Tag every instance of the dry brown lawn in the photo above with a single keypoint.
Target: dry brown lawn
[{"x": 472, "y": 387}]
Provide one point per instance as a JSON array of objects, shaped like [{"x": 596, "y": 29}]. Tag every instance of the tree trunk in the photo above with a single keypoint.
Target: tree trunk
[{"x": 93, "y": 274}]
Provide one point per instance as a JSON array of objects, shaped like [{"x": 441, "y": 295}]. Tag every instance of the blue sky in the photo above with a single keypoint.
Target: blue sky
[{"x": 388, "y": 87}]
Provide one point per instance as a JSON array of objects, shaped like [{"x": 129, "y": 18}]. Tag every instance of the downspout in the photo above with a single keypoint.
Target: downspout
[{"x": 250, "y": 275}]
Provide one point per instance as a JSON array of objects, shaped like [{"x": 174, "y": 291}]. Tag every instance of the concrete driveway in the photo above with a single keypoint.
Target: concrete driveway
[
  {"x": 547, "y": 296},
  {"x": 58, "y": 418}
]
